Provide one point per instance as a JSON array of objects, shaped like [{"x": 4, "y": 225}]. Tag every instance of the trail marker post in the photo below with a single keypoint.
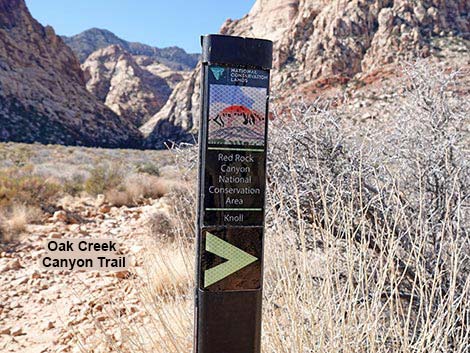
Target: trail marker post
[{"x": 232, "y": 172}]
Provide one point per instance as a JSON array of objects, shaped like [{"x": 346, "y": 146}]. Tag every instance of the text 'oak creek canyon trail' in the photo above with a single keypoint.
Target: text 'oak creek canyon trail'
[{"x": 91, "y": 254}]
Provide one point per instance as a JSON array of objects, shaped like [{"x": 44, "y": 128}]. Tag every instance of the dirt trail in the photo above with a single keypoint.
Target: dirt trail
[{"x": 45, "y": 311}]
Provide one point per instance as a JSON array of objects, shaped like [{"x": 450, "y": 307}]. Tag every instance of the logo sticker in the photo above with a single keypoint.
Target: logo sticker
[{"x": 217, "y": 71}]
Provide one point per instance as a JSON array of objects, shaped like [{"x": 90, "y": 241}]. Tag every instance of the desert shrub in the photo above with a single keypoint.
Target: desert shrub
[
  {"x": 429, "y": 144},
  {"x": 342, "y": 295},
  {"x": 361, "y": 254},
  {"x": 21, "y": 186},
  {"x": 119, "y": 198},
  {"x": 171, "y": 275},
  {"x": 158, "y": 224},
  {"x": 22, "y": 196},
  {"x": 75, "y": 185},
  {"x": 136, "y": 188},
  {"x": 145, "y": 186},
  {"x": 103, "y": 178},
  {"x": 182, "y": 198},
  {"x": 182, "y": 211},
  {"x": 148, "y": 168},
  {"x": 18, "y": 154},
  {"x": 13, "y": 220},
  {"x": 403, "y": 204}
]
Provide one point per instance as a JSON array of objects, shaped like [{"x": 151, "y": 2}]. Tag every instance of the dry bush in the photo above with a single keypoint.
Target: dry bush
[
  {"x": 183, "y": 211},
  {"x": 183, "y": 197},
  {"x": 146, "y": 186},
  {"x": 22, "y": 196},
  {"x": 394, "y": 221},
  {"x": 343, "y": 296},
  {"x": 167, "y": 293},
  {"x": 21, "y": 186},
  {"x": 74, "y": 185},
  {"x": 170, "y": 273},
  {"x": 136, "y": 188},
  {"x": 160, "y": 226},
  {"x": 13, "y": 220},
  {"x": 119, "y": 198},
  {"x": 148, "y": 168},
  {"x": 163, "y": 292},
  {"x": 367, "y": 249}
]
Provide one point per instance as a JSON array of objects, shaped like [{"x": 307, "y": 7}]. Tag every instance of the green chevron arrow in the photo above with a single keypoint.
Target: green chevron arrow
[{"x": 236, "y": 259}]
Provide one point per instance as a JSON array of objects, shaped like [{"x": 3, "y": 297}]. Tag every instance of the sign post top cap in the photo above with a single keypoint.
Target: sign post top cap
[{"x": 231, "y": 50}]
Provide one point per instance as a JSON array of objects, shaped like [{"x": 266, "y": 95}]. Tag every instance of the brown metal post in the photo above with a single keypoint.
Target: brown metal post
[{"x": 232, "y": 173}]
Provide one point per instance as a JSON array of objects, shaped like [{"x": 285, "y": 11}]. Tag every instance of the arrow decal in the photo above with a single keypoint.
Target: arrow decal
[{"x": 236, "y": 259}]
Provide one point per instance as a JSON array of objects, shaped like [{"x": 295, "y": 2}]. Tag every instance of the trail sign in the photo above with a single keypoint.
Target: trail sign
[
  {"x": 236, "y": 259},
  {"x": 232, "y": 173}
]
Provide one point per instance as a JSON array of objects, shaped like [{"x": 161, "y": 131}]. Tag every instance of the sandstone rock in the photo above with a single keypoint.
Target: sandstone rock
[
  {"x": 75, "y": 228},
  {"x": 4, "y": 265},
  {"x": 14, "y": 264},
  {"x": 91, "y": 40},
  {"x": 101, "y": 318},
  {"x": 171, "y": 76},
  {"x": 105, "y": 209},
  {"x": 130, "y": 91},
  {"x": 43, "y": 96},
  {"x": 177, "y": 120},
  {"x": 60, "y": 216},
  {"x": 66, "y": 217},
  {"x": 16, "y": 331},
  {"x": 54, "y": 235},
  {"x": 35, "y": 274},
  {"x": 319, "y": 43},
  {"x": 136, "y": 248},
  {"x": 48, "y": 325},
  {"x": 121, "y": 274},
  {"x": 100, "y": 200}
]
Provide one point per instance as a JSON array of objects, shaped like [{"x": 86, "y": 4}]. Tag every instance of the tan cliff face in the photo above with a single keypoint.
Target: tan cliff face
[
  {"x": 268, "y": 19},
  {"x": 132, "y": 92},
  {"x": 349, "y": 37},
  {"x": 318, "y": 42},
  {"x": 43, "y": 96}
]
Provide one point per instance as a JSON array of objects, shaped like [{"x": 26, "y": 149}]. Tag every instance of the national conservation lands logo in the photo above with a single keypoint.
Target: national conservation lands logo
[{"x": 217, "y": 71}]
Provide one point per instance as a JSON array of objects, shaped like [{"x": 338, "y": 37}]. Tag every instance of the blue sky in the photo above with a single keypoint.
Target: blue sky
[{"x": 158, "y": 23}]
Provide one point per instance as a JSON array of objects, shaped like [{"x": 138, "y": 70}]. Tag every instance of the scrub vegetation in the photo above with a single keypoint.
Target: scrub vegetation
[
  {"x": 367, "y": 245},
  {"x": 34, "y": 179}
]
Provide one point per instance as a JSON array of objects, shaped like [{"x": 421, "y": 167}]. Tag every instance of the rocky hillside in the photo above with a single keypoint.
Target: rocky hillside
[
  {"x": 115, "y": 78},
  {"x": 43, "y": 97},
  {"x": 320, "y": 44},
  {"x": 133, "y": 79},
  {"x": 85, "y": 43}
]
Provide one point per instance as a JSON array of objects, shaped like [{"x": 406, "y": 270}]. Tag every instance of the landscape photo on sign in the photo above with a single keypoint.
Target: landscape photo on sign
[{"x": 237, "y": 115}]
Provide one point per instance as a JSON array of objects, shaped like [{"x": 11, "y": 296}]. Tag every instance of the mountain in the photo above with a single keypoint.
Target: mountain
[
  {"x": 114, "y": 77},
  {"x": 43, "y": 97},
  {"x": 321, "y": 44},
  {"x": 133, "y": 79},
  {"x": 85, "y": 43}
]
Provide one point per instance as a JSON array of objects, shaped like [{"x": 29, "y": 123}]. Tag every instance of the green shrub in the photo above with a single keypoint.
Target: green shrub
[
  {"x": 148, "y": 168},
  {"x": 21, "y": 186},
  {"x": 102, "y": 179},
  {"x": 75, "y": 185}
]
